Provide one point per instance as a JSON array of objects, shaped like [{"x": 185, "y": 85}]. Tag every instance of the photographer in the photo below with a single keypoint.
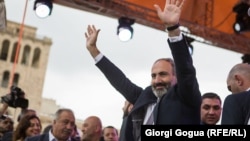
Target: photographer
[{"x": 14, "y": 99}]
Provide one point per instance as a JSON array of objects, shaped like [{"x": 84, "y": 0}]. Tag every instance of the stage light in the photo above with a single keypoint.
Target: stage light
[
  {"x": 242, "y": 22},
  {"x": 43, "y": 8},
  {"x": 124, "y": 29}
]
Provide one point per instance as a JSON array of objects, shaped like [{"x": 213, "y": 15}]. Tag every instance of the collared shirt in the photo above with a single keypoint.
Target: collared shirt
[
  {"x": 149, "y": 113},
  {"x": 98, "y": 57},
  {"x": 151, "y": 106},
  {"x": 248, "y": 89},
  {"x": 248, "y": 123},
  {"x": 53, "y": 138}
]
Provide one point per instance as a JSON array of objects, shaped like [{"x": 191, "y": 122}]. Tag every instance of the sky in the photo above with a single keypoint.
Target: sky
[{"x": 73, "y": 80}]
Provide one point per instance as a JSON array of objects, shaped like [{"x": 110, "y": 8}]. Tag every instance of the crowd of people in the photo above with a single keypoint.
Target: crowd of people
[{"x": 172, "y": 98}]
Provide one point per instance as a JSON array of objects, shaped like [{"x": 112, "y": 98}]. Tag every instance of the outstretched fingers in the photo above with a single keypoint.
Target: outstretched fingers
[
  {"x": 180, "y": 3},
  {"x": 90, "y": 30},
  {"x": 157, "y": 8}
]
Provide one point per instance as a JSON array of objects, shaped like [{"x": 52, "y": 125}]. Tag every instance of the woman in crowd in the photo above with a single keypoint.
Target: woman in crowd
[{"x": 27, "y": 126}]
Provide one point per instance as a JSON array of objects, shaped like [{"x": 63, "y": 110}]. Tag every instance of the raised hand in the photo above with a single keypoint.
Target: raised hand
[
  {"x": 170, "y": 15},
  {"x": 91, "y": 38}
]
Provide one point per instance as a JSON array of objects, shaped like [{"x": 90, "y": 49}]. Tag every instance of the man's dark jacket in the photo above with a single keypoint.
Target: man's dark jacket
[
  {"x": 180, "y": 105},
  {"x": 42, "y": 137},
  {"x": 236, "y": 109}
]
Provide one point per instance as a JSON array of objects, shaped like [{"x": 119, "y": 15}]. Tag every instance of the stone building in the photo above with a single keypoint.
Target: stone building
[
  {"x": 23, "y": 63},
  {"x": 27, "y": 68}
]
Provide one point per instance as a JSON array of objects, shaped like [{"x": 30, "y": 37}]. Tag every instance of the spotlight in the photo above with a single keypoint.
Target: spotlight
[
  {"x": 124, "y": 30},
  {"x": 242, "y": 22},
  {"x": 43, "y": 8}
]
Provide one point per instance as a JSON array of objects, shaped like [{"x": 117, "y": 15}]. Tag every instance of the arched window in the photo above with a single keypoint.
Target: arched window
[
  {"x": 16, "y": 79},
  {"x": 14, "y": 51},
  {"x": 26, "y": 55},
  {"x": 6, "y": 78},
  {"x": 5, "y": 50},
  {"x": 36, "y": 58}
]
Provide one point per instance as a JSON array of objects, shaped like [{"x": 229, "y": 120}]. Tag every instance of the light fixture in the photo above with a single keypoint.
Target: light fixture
[
  {"x": 124, "y": 30},
  {"x": 43, "y": 8},
  {"x": 242, "y": 22}
]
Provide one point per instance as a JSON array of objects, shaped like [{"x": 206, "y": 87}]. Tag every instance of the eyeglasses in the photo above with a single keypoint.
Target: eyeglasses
[{"x": 229, "y": 88}]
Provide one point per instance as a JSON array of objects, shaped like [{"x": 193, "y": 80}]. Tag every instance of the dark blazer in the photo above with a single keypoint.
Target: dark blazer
[
  {"x": 180, "y": 105},
  {"x": 123, "y": 129},
  {"x": 7, "y": 136},
  {"x": 42, "y": 137},
  {"x": 236, "y": 108}
]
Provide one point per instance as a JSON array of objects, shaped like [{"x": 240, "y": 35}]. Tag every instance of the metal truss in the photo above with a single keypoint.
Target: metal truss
[{"x": 117, "y": 8}]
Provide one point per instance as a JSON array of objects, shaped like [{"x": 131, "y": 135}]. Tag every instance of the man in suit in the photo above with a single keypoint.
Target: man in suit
[
  {"x": 62, "y": 127},
  {"x": 236, "y": 108},
  {"x": 167, "y": 101}
]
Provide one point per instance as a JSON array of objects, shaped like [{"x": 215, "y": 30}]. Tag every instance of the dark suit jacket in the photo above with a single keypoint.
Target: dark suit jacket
[
  {"x": 7, "y": 136},
  {"x": 236, "y": 108},
  {"x": 181, "y": 104},
  {"x": 42, "y": 137}
]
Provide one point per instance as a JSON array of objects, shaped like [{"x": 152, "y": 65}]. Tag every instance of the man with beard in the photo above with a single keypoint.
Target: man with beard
[{"x": 164, "y": 102}]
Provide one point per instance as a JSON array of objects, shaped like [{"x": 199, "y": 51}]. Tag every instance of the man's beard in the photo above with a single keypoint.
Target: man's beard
[{"x": 160, "y": 92}]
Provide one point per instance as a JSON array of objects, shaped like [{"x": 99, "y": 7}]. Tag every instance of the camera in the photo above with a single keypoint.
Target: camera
[{"x": 16, "y": 98}]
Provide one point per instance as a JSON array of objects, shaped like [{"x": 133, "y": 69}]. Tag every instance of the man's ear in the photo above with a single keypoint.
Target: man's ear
[
  {"x": 54, "y": 122},
  {"x": 239, "y": 79}
]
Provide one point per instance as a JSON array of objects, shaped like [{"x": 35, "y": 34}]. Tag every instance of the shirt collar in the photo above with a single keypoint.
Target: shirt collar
[
  {"x": 248, "y": 89},
  {"x": 53, "y": 138}
]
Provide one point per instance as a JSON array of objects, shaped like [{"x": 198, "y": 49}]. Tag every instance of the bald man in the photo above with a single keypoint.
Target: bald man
[
  {"x": 92, "y": 129},
  {"x": 236, "y": 109}
]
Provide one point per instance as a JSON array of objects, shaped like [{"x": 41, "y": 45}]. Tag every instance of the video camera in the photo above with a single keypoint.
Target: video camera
[{"x": 16, "y": 98}]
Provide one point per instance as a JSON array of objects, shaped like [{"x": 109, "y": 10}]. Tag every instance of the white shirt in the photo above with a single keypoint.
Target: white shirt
[
  {"x": 53, "y": 138},
  {"x": 149, "y": 111},
  {"x": 248, "y": 123}
]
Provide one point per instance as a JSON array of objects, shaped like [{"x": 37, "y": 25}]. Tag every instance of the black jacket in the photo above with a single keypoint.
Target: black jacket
[{"x": 180, "y": 105}]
